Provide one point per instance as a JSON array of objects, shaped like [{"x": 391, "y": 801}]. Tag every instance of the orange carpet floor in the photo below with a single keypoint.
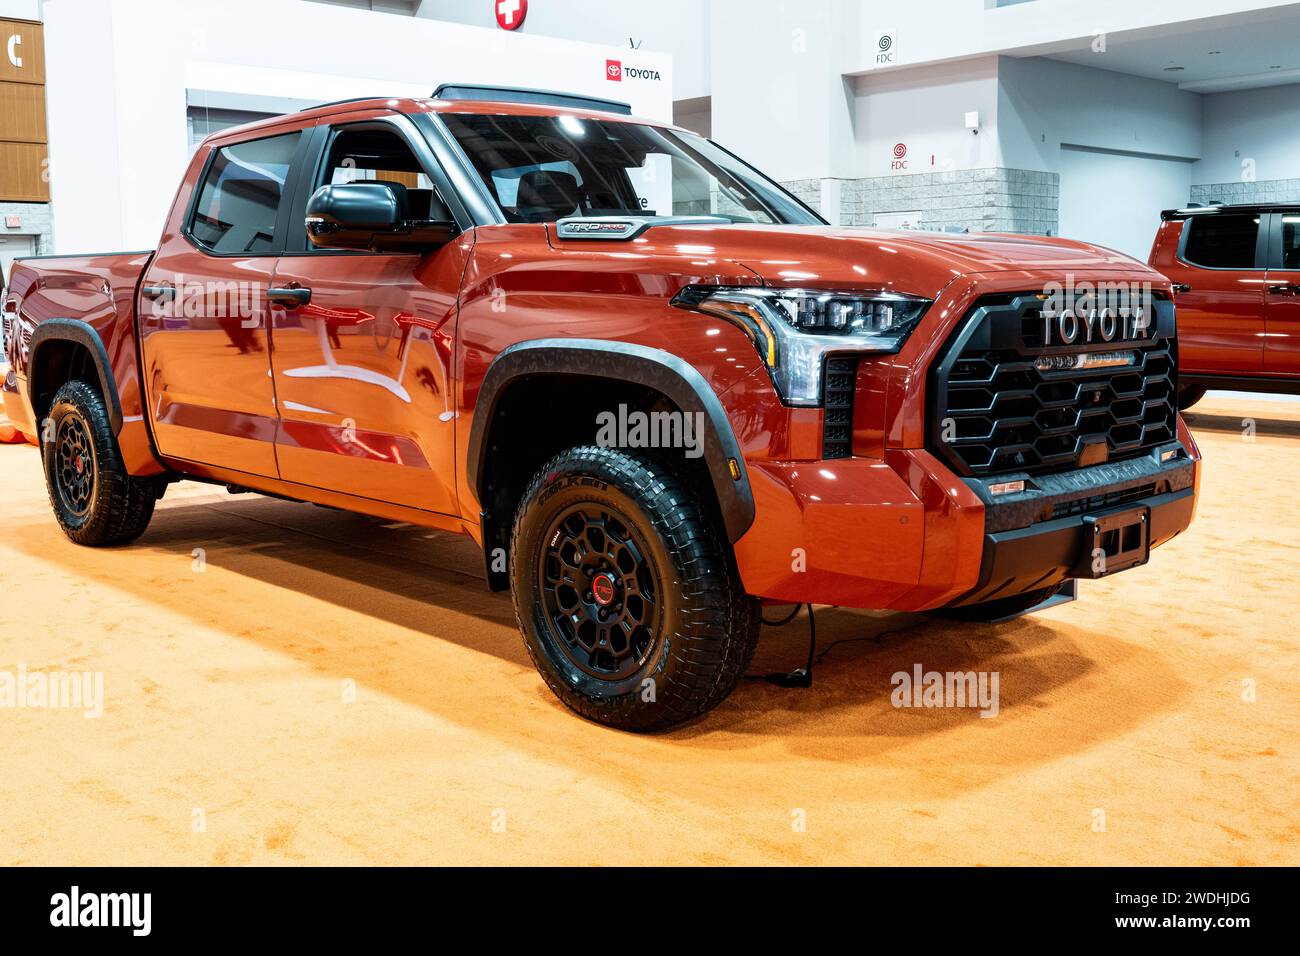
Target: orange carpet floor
[{"x": 336, "y": 689}]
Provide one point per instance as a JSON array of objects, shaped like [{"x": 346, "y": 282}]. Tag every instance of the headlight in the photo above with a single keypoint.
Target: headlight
[{"x": 795, "y": 329}]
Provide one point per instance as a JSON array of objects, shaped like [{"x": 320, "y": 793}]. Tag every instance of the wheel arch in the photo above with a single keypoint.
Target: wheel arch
[
  {"x": 619, "y": 367},
  {"x": 60, "y": 350}
]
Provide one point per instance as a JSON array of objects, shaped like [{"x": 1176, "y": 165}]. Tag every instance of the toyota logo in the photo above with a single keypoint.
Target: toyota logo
[
  {"x": 511, "y": 13},
  {"x": 900, "y": 150},
  {"x": 614, "y": 70},
  {"x": 886, "y": 42}
]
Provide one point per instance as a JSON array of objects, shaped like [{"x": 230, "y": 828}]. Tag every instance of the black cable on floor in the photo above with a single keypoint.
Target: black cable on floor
[
  {"x": 800, "y": 677},
  {"x": 875, "y": 638}
]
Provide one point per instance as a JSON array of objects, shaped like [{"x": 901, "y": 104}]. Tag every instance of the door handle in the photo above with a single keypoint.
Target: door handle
[
  {"x": 291, "y": 298},
  {"x": 155, "y": 292},
  {"x": 1284, "y": 288},
  {"x": 1181, "y": 287}
]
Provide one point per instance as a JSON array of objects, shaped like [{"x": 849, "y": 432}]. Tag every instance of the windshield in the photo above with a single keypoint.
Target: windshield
[{"x": 544, "y": 168}]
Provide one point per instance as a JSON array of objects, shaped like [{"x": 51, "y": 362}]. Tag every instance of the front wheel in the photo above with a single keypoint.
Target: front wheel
[
  {"x": 628, "y": 599},
  {"x": 95, "y": 501},
  {"x": 1189, "y": 396}
]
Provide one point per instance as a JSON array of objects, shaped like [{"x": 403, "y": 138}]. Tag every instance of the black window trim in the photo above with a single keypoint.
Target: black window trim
[
  {"x": 473, "y": 193},
  {"x": 1276, "y": 262},
  {"x": 1261, "y": 243},
  {"x": 304, "y": 134},
  {"x": 323, "y": 136}
]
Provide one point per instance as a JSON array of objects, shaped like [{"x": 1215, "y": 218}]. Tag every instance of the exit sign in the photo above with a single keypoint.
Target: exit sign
[{"x": 13, "y": 222}]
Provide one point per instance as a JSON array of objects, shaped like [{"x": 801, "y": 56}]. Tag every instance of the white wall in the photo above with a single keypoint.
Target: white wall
[
  {"x": 1044, "y": 104},
  {"x": 778, "y": 96},
  {"x": 118, "y": 71},
  {"x": 676, "y": 27},
  {"x": 20, "y": 9},
  {"x": 925, "y": 110},
  {"x": 1115, "y": 199},
  {"x": 1135, "y": 141},
  {"x": 937, "y": 30},
  {"x": 1261, "y": 125}
]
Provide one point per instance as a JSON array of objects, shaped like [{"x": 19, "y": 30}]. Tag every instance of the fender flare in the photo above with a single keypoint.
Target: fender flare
[
  {"x": 653, "y": 368},
  {"x": 83, "y": 334}
]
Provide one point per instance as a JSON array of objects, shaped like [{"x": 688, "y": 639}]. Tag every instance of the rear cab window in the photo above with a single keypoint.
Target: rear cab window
[
  {"x": 239, "y": 200},
  {"x": 1222, "y": 240}
]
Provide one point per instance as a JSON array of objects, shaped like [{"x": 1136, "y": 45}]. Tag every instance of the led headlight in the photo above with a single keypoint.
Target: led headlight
[{"x": 795, "y": 329}]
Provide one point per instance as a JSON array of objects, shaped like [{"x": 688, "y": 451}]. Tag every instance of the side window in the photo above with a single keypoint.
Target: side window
[
  {"x": 1222, "y": 241},
  {"x": 240, "y": 196},
  {"x": 1290, "y": 242},
  {"x": 368, "y": 154}
]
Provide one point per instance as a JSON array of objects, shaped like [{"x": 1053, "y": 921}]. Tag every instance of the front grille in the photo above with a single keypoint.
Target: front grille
[
  {"x": 837, "y": 399},
  {"x": 993, "y": 411}
]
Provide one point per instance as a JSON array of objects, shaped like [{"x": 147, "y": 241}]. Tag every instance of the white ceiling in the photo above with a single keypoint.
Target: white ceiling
[{"x": 1254, "y": 49}]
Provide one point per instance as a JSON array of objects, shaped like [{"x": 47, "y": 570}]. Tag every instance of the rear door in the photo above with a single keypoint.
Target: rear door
[
  {"x": 1221, "y": 265},
  {"x": 203, "y": 308},
  {"x": 362, "y": 367},
  {"x": 1282, "y": 338}
]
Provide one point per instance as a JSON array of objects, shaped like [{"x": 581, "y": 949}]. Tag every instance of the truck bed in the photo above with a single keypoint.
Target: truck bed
[{"x": 97, "y": 291}]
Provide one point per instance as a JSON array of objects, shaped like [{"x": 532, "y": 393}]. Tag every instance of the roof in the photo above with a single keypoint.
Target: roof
[
  {"x": 1192, "y": 211},
  {"x": 408, "y": 104}
]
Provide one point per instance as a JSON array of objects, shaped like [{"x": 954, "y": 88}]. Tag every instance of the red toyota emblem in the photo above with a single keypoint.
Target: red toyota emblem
[
  {"x": 614, "y": 70},
  {"x": 511, "y": 13},
  {"x": 602, "y": 588}
]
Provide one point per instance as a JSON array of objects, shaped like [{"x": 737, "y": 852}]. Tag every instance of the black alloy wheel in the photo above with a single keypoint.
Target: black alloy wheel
[
  {"x": 74, "y": 466},
  {"x": 601, "y": 596}
]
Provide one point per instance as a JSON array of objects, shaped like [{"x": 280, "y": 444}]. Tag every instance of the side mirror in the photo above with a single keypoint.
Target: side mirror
[{"x": 371, "y": 216}]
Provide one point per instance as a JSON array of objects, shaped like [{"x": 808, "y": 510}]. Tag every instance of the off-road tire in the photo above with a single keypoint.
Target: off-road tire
[
  {"x": 110, "y": 508},
  {"x": 707, "y": 626},
  {"x": 1189, "y": 396}
]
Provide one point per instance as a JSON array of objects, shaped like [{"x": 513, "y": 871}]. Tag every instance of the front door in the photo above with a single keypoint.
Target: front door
[
  {"x": 203, "y": 311},
  {"x": 362, "y": 366},
  {"x": 1221, "y": 307}
]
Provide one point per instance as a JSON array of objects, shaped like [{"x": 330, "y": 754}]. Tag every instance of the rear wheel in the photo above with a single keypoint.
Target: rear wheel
[
  {"x": 1189, "y": 396},
  {"x": 94, "y": 499},
  {"x": 627, "y": 597}
]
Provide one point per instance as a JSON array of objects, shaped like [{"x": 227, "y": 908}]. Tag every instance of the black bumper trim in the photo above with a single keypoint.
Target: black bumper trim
[
  {"x": 1047, "y": 553},
  {"x": 1083, "y": 490}
]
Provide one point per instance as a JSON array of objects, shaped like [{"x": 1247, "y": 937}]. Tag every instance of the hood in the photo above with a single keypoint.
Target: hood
[{"x": 919, "y": 263}]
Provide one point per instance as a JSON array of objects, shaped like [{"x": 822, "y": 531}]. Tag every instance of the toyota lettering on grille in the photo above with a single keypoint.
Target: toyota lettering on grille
[{"x": 1095, "y": 325}]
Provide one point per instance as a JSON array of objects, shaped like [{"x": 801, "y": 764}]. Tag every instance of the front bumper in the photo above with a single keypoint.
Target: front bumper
[
  {"x": 907, "y": 535},
  {"x": 1035, "y": 538},
  {"x": 1048, "y": 553}
]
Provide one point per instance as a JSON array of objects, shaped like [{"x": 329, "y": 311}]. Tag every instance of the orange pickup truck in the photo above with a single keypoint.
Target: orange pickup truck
[
  {"x": 654, "y": 387},
  {"x": 1236, "y": 278}
]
